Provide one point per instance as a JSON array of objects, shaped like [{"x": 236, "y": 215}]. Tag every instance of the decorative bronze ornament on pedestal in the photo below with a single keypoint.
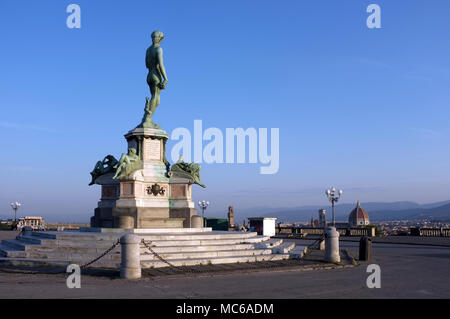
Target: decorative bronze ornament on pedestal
[{"x": 156, "y": 189}]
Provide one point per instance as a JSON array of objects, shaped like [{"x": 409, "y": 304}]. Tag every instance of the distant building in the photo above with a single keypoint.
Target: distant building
[
  {"x": 314, "y": 222},
  {"x": 230, "y": 216},
  {"x": 358, "y": 217},
  {"x": 322, "y": 220},
  {"x": 6, "y": 221},
  {"x": 35, "y": 222}
]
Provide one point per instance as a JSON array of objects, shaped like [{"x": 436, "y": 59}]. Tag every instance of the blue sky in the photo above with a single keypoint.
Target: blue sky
[{"x": 362, "y": 109}]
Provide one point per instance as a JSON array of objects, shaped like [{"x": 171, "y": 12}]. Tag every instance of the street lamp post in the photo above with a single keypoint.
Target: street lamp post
[
  {"x": 15, "y": 206},
  {"x": 333, "y": 198},
  {"x": 203, "y": 205},
  {"x": 332, "y": 235}
]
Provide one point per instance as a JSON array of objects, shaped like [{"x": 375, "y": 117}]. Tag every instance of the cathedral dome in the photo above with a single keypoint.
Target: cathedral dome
[{"x": 358, "y": 216}]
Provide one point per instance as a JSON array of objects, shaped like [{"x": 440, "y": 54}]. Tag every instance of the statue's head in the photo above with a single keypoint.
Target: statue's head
[
  {"x": 157, "y": 36},
  {"x": 132, "y": 151}
]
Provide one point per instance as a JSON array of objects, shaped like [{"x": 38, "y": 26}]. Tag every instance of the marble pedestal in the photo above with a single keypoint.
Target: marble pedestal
[{"x": 148, "y": 197}]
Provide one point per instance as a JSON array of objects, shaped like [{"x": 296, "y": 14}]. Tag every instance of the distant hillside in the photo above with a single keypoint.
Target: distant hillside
[
  {"x": 437, "y": 213},
  {"x": 441, "y": 213},
  {"x": 377, "y": 212}
]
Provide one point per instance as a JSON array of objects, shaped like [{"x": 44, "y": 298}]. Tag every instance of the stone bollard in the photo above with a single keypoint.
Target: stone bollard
[
  {"x": 196, "y": 222},
  {"x": 365, "y": 249},
  {"x": 131, "y": 257},
  {"x": 332, "y": 245}
]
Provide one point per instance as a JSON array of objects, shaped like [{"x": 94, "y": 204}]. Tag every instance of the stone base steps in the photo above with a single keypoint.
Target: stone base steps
[
  {"x": 284, "y": 248},
  {"x": 186, "y": 253},
  {"x": 5, "y": 250},
  {"x": 213, "y": 261},
  {"x": 23, "y": 250},
  {"x": 178, "y": 247},
  {"x": 142, "y": 231},
  {"x": 75, "y": 244},
  {"x": 206, "y": 254},
  {"x": 72, "y": 236},
  {"x": 298, "y": 252},
  {"x": 33, "y": 262},
  {"x": 236, "y": 241},
  {"x": 199, "y": 248}
]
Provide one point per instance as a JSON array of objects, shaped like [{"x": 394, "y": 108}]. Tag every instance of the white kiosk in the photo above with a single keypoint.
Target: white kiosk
[{"x": 263, "y": 225}]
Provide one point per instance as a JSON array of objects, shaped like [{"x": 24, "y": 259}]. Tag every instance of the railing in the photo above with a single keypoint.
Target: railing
[
  {"x": 305, "y": 231},
  {"x": 430, "y": 232}
]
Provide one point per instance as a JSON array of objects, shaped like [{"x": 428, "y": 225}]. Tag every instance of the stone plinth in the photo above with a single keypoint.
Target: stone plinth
[{"x": 148, "y": 197}]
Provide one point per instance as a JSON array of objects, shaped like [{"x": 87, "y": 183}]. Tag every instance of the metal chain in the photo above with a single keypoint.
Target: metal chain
[
  {"x": 313, "y": 245},
  {"x": 148, "y": 245},
  {"x": 13, "y": 271},
  {"x": 102, "y": 255}
]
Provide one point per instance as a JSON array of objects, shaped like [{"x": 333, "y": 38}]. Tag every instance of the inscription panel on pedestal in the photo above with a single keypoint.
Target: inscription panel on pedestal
[
  {"x": 109, "y": 191},
  {"x": 152, "y": 149},
  {"x": 178, "y": 191}
]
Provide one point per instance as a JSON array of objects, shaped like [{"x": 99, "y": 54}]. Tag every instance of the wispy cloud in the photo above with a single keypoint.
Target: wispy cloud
[
  {"x": 425, "y": 132},
  {"x": 374, "y": 63},
  {"x": 304, "y": 191},
  {"x": 21, "y": 169},
  {"x": 20, "y": 126},
  {"x": 411, "y": 72}
]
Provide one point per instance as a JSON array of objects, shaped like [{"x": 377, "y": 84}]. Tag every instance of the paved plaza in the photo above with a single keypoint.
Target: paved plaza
[{"x": 407, "y": 271}]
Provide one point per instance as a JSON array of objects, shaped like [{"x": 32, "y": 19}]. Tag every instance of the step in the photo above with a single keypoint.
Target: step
[
  {"x": 23, "y": 244},
  {"x": 298, "y": 252},
  {"x": 32, "y": 262},
  {"x": 48, "y": 234},
  {"x": 145, "y": 230},
  {"x": 113, "y": 255},
  {"x": 12, "y": 253},
  {"x": 197, "y": 248},
  {"x": 80, "y": 244},
  {"x": 213, "y": 261},
  {"x": 14, "y": 244},
  {"x": 29, "y": 239},
  {"x": 208, "y": 236},
  {"x": 35, "y": 240},
  {"x": 69, "y": 250},
  {"x": 5, "y": 250},
  {"x": 56, "y": 246},
  {"x": 284, "y": 248},
  {"x": 74, "y": 235},
  {"x": 206, "y": 254},
  {"x": 39, "y": 262},
  {"x": 77, "y": 236},
  {"x": 113, "y": 263},
  {"x": 271, "y": 243},
  {"x": 210, "y": 242}
]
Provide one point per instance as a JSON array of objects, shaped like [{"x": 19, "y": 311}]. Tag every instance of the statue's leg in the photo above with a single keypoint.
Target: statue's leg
[
  {"x": 159, "y": 94},
  {"x": 118, "y": 171},
  {"x": 153, "y": 82},
  {"x": 152, "y": 92},
  {"x": 154, "y": 102}
]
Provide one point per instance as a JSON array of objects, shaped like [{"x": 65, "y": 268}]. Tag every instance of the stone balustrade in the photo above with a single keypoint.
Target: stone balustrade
[
  {"x": 430, "y": 232},
  {"x": 304, "y": 231}
]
